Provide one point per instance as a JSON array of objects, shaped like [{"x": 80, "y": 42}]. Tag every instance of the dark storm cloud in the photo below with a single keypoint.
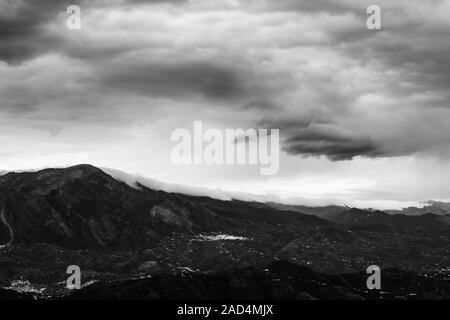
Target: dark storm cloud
[
  {"x": 22, "y": 25},
  {"x": 21, "y": 28},
  {"x": 331, "y": 143},
  {"x": 179, "y": 79},
  {"x": 313, "y": 136},
  {"x": 215, "y": 79},
  {"x": 261, "y": 105}
]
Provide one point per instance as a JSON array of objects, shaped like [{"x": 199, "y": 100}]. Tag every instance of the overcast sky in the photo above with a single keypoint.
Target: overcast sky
[{"x": 364, "y": 115}]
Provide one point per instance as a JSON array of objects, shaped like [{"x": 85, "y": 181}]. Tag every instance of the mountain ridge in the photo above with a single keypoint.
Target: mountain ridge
[
  {"x": 83, "y": 205},
  {"x": 136, "y": 181}
]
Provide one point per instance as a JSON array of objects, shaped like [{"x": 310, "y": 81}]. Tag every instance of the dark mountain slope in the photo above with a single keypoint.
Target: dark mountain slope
[
  {"x": 321, "y": 212},
  {"x": 83, "y": 207},
  {"x": 75, "y": 207}
]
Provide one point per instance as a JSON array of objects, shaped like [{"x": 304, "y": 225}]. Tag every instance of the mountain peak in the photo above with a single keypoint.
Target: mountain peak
[
  {"x": 83, "y": 171},
  {"x": 80, "y": 171},
  {"x": 84, "y": 167}
]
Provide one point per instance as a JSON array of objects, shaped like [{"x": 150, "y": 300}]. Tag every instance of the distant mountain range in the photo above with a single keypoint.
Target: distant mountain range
[
  {"x": 54, "y": 218},
  {"x": 327, "y": 212},
  {"x": 434, "y": 207}
]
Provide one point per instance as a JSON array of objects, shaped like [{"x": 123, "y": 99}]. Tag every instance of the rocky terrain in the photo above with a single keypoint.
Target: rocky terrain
[{"x": 141, "y": 243}]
